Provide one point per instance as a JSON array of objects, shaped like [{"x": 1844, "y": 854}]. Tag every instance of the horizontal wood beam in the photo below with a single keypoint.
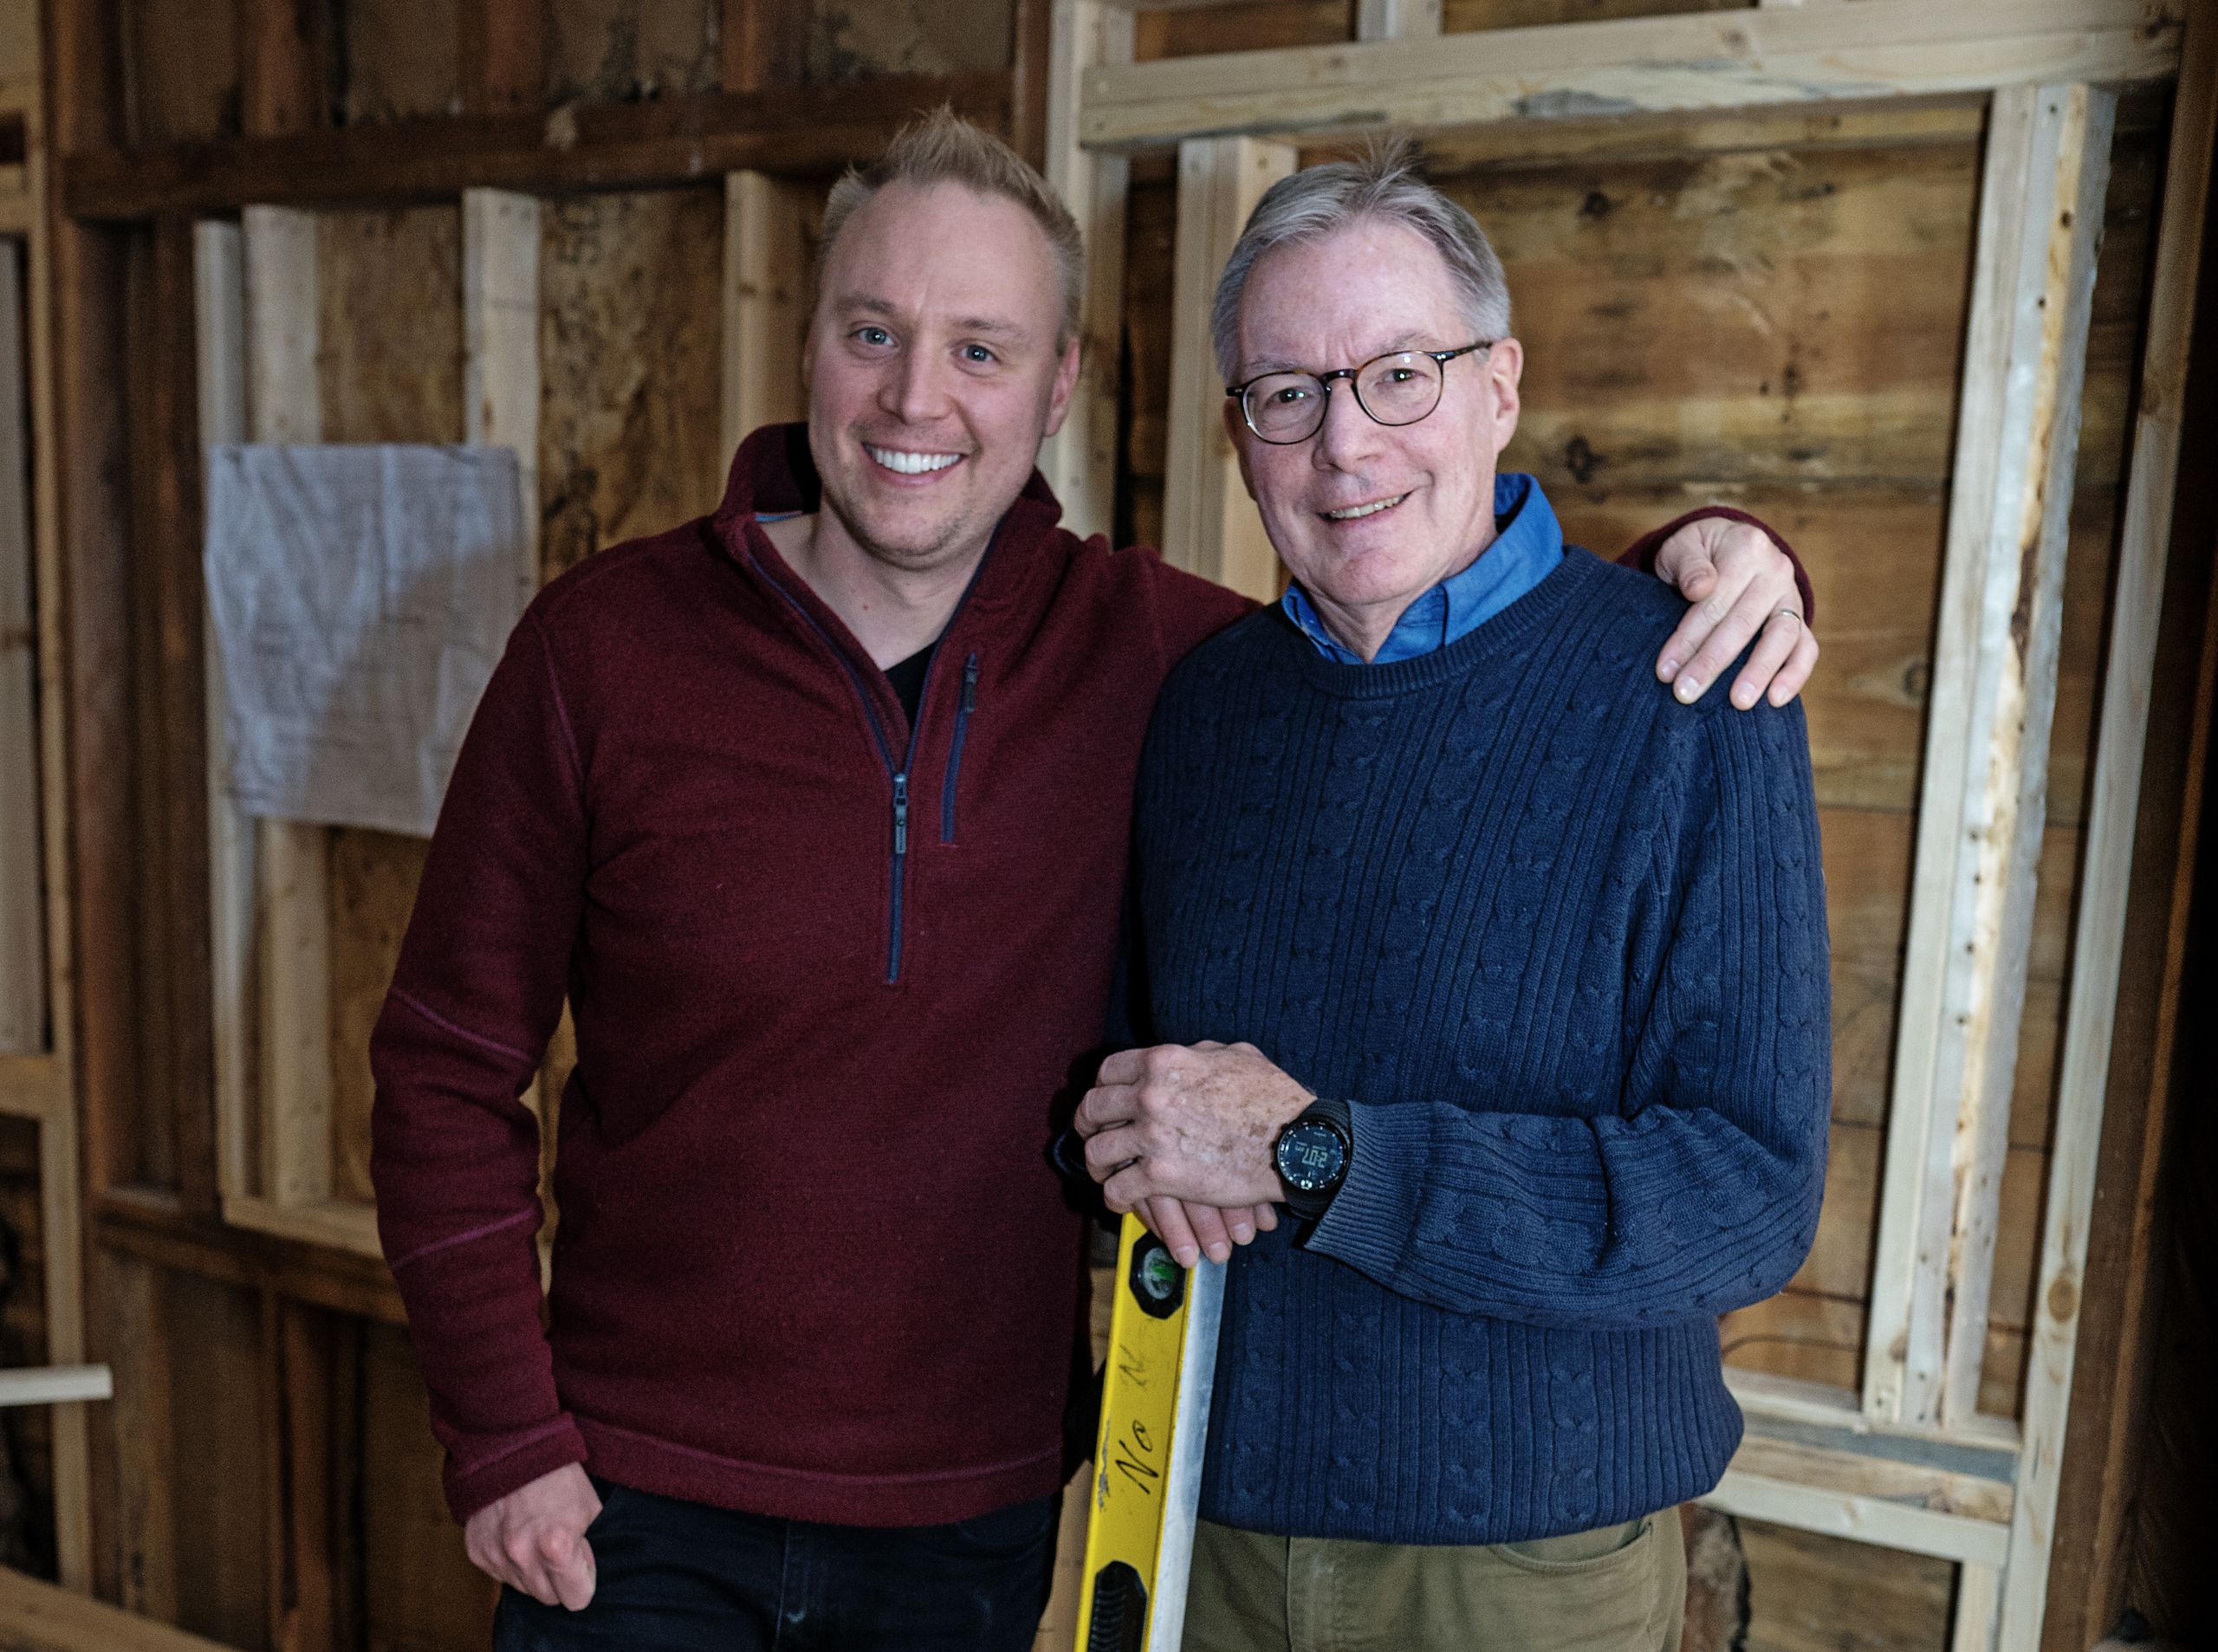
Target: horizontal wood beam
[
  {"x": 1864, "y": 1518},
  {"x": 793, "y": 131},
  {"x": 1875, "y": 48},
  {"x": 37, "y": 1616},
  {"x": 147, "y": 1224}
]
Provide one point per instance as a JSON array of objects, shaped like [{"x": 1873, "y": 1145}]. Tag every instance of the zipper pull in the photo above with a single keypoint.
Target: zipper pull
[
  {"x": 901, "y": 815},
  {"x": 970, "y": 683}
]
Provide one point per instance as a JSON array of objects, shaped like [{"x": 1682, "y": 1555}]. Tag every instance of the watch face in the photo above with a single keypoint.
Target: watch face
[{"x": 1311, "y": 1156}]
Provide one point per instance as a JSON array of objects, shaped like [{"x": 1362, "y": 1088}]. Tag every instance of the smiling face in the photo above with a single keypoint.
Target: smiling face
[
  {"x": 933, "y": 370},
  {"x": 1368, "y": 516}
]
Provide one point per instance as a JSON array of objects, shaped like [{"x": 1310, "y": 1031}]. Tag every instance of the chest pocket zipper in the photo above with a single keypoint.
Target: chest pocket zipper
[{"x": 955, "y": 748}]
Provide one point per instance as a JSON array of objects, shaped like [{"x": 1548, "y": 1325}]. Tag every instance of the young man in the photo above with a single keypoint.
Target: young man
[
  {"x": 816, "y": 811},
  {"x": 1528, "y": 964}
]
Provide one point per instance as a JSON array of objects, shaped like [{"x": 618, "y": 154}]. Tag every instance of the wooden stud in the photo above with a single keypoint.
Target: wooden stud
[
  {"x": 1982, "y": 814},
  {"x": 762, "y": 43},
  {"x": 279, "y": 87},
  {"x": 23, "y": 919},
  {"x": 1080, "y": 460},
  {"x": 38, "y": 1615},
  {"x": 1865, "y": 1518},
  {"x": 766, "y": 305},
  {"x": 219, "y": 333},
  {"x": 502, "y": 55},
  {"x": 283, "y": 406},
  {"x": 1739, "y": 59},
  {"x": 500, "y": 297},
  {"x": 1979, "y": 1602},
  {"x": 1209, "y": 525},
  {"x": 2090, "y": 1015}
]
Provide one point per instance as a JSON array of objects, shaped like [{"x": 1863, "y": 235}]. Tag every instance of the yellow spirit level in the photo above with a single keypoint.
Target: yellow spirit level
[{"x": 1147, "y": 1460}]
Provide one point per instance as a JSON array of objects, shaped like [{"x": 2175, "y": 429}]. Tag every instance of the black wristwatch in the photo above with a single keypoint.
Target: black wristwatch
[{"x": 1312, "y": 1156}]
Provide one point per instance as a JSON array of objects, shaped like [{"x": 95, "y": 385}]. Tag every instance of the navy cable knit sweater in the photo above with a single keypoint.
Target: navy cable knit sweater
[{"x": 1561, "y": 942}]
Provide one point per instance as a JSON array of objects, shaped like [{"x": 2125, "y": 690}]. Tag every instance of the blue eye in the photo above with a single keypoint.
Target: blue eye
[
  {"x": 874, "y": 336},
  {"x": 978, "y": 354}
]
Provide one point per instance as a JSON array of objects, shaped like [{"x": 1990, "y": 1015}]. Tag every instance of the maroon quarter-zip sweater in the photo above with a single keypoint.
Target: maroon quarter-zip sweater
[{"x": 828, "y": 973}]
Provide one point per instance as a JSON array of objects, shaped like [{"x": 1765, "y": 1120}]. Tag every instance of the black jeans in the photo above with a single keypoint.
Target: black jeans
[{"x": 680, "y": 1577}]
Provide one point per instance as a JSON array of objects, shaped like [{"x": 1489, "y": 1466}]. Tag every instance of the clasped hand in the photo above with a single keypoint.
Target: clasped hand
[{"x": 1184, "y": 1136}]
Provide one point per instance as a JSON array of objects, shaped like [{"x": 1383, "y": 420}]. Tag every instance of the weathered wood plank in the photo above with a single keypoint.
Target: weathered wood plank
[
  {"x": 1981, "y": 817},
  {"x": 1080, "y": 460},
  {"x": 1210, "y": 526},
  {"x": 767, "y": 290},
  {"x": 2091, "y": 1016},
  {"x": 1878, "y": 48},
  {"x": 23, "y": 871}
]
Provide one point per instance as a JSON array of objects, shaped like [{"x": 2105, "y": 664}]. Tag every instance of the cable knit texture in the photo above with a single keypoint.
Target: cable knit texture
[{"x": 1561, "y": 944}]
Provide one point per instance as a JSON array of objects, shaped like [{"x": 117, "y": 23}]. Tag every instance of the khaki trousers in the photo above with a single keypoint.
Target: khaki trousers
[{"x": 1620, "y": 1588}]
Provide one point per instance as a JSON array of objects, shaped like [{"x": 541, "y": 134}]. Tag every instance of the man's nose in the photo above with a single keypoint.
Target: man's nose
[
  {"x": 913, "y": 389},
  {"x": 1348, "y": 436}
]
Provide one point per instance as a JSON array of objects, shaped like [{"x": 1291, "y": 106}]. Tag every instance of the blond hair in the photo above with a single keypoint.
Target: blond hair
[{"x": 943, "y": 148}]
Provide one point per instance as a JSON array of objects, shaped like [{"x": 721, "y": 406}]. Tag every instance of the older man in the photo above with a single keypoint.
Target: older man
[
  {"x": 1528, "y": 968},
  {"x": 816, "y": 811}
]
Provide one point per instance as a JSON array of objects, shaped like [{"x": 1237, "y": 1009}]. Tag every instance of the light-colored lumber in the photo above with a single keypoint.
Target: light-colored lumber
[
  {"x": 32, "y": 1087},
  {"x": 1982, "y": 809},
  {"x": 500, "y": 332},
  {"x": 344, "y": 1225},
  {"x": 1883, "y": 1478},
  {"x": 1768, "y": 1396},
  {"x": 1396, "y": 19},
  {"x": 219, "y": 331},
  {"x": 1979, "y": 1602},
  {"x": 1865, "y": 1518},
  {"x": 284, "y": 404},
  {"x": 1080, "y": 460},
  {"x": 56, "y": 1385},
  {"x": 1209, "y": 525},
  {"x": 766, "y": 304},
  {"x": 1736, "y": 59},
  {"x": 37, "y": 1616},
  {"x": 23, "y": 948},
  {"x": 2091, "y": 1012}
]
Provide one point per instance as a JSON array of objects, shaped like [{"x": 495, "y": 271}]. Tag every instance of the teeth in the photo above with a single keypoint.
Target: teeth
[
  {"x": 1355, "y": 511},
  {"x": 911, "y": 464}
]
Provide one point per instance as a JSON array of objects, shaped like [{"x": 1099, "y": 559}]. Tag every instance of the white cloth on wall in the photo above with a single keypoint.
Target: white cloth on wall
[{"x": 362, "y": 596}]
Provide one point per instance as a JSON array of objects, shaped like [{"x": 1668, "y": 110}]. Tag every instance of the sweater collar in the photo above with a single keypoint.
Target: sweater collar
[{"x": 774, "y": 474}]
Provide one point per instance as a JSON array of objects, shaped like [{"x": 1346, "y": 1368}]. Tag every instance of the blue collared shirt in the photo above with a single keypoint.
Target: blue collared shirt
[{"x": 1529, "y": 543}]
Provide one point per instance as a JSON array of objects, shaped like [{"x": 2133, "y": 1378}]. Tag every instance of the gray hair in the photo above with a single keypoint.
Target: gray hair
[{"x": 1381, "y": 183}]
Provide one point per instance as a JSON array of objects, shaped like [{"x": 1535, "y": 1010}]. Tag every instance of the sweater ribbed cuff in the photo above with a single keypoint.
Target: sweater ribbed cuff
[
  {"x": 1373, "y": 1217},
  {"x": 469, "y": 1490}
]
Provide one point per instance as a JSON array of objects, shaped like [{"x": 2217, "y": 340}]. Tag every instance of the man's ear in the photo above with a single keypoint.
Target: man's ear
[
  {"x": 1235, "y": 431},
  {"x": 1505, "y": 367},
  {"x": 1059, "y": 398}
]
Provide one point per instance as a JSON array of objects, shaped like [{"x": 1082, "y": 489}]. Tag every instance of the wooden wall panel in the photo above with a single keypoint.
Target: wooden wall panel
[
  {"x": 389, "y": 369},
  {"x": 215, "y": 1467},
  {"x": 402, "y": 59},
  {"x": 849, "y": 39},
  {"x": 1256, "y": 25},
  {"x": 1459, "y": 15},
  {"x": 1806, "y": 1591},
  {"x": 630, "y": 342},
  {"x": 419, "y": 1590},
  {"x": 185, "y": 65},
  {"x": 615, "y": 51}
]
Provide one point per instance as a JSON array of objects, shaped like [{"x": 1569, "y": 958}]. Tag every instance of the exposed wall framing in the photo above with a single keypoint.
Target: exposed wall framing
[
  {"x": 1907, "y": 1460},
  {"x": 36, "y": 1032}
]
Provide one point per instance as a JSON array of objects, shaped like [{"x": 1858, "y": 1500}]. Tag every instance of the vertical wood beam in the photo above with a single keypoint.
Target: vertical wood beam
[
  {"x": 1032, "y": 54},
  {"x": 169, "y": 457},
  {"x": 1396, "y": 19},
  {"x": 279, "y": 86},
  {"x": 503, "y": 55},
  {"x": 1209, "y": 525},
  {"x": 2115, "y": 788},
  {"x": 284, "y": 404},
  {"x": 1979, "y": 1588},
  {"x": 299, "y": 1343},
  {"x": 22, "y": 950},
  {"x": 219, "y": 345},
  {"x": 762, "y": 43},
  {"x": 500, "y": 329},
  {"x": 766, "y": 305},
  {"x": 1981, "y": 813},
  {"x": 1079, "y": 462}
]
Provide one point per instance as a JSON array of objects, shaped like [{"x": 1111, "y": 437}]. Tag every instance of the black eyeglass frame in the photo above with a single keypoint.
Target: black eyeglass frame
[{"x": 1353, "y": 375}]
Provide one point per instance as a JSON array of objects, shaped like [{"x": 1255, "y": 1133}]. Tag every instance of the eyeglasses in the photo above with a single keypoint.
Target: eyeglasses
[{"x": 1398, "y": 388}]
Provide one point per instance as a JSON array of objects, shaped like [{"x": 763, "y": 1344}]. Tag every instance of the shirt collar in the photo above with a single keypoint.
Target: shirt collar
[{"x": 1528, "y": 544}]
